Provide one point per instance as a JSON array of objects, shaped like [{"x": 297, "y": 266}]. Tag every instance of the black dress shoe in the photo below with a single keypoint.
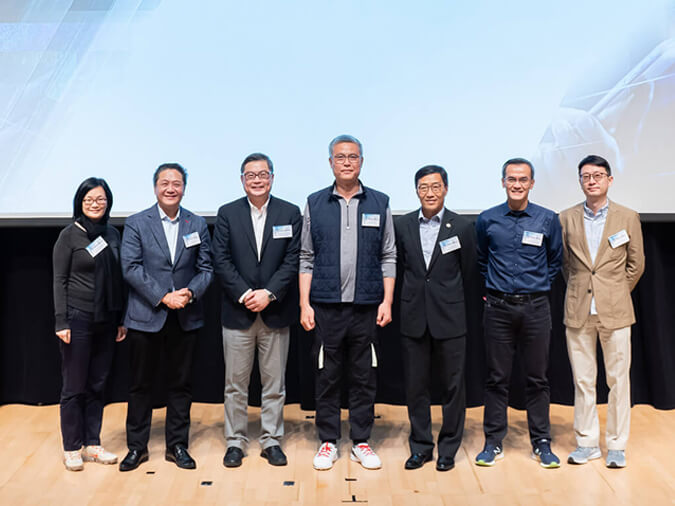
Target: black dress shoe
[
  {"x": 274, "y": 455},
  {"x": 417, "y": 460},
  {"x": 134, "y": 459},
  {"x": 233, "y": 457},
  {"x": 181, "y": 457},
  {"x": 445, "y": 463}
]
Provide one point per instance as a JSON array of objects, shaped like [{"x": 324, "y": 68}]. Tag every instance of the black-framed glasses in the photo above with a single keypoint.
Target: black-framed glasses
[
  {"x": 101, "y": 201},
  {"x": 263, "y": 175}
]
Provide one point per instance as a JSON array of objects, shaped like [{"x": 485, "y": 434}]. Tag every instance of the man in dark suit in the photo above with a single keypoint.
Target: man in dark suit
[
  {"x": 436, "y": 260},
  {"x": 256, "y": 245},
  {"x": 166, "y": 261}
]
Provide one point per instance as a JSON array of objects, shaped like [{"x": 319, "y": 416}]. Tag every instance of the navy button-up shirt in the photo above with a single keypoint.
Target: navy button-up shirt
[{"x": 506, "y": 263}]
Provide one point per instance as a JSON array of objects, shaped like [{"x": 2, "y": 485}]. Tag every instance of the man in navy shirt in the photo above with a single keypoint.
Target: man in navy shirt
[{"x": 519, "y": 255}]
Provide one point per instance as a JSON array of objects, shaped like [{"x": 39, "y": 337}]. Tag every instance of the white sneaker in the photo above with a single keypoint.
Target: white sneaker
[
  {"x": 324, "y": 458},
  {"x": 73, "y": 460},
  {"x": 97, "y": 453},
  {"x": 366, "y": 456}
]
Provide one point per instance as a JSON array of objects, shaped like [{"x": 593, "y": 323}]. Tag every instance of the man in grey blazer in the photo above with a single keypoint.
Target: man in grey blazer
[
  {"x": 256, "y": 247},
  {"x": 166, "y": 261}
]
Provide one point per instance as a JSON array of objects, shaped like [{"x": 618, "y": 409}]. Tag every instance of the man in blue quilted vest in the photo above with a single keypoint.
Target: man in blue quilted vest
[{"x": 347, "y": 274}]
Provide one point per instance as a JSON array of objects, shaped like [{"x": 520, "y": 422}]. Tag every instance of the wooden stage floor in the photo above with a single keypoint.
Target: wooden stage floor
[{"x": 32, "y": 472}]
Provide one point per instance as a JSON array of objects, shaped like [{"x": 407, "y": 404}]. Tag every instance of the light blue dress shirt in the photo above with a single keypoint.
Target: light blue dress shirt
[
  {"x": 594, "y": 224},
  {"x": 429, "y": 229}
]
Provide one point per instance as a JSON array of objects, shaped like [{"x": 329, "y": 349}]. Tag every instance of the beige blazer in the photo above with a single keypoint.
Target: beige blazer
[{"x": 611, "y": 278}]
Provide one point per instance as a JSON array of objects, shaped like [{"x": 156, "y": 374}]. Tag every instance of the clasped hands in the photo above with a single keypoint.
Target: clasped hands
[{"x": 177, "y": 299}]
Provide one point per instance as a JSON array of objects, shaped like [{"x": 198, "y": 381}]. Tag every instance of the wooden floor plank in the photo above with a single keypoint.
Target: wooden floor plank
[{"x": 32, "y": 472}]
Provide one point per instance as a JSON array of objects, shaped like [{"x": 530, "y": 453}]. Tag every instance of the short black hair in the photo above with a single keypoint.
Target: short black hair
[
  {"x": 518, "y": 161},
  {"x": 85, "y": 187},
  {"x": 597, "y": 161},
  {"x": 169, "y": 166},
  {"x": 431, "y": 169},
  {"x": 257, "y": 157}
]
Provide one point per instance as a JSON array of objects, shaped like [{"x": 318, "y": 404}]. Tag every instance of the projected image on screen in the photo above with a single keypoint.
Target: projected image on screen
[{"x": 112, "y": 89}]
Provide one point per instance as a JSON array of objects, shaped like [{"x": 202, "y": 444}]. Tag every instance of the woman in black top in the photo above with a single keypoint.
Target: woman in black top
[{"x": 88, "y": 303}]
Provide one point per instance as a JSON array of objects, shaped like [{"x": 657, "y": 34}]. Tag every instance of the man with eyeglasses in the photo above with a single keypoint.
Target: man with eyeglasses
[
  {"x": 519, "y": 255},
  {"x": 256, "y": 244},
  {"x": 347, "y": 274},
  {"x": 603, "y": 260},
  {"x": 436, "y": 259}
]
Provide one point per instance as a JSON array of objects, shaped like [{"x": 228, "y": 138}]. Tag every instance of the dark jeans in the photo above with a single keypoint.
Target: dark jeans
[
  {"x": 526, "y": 329},
  {"x": 447, "y": 357},
  {"x": 346, "y": 331},
  {"x": 85, "y": 365},
  {"x": 145, "y": 348}
]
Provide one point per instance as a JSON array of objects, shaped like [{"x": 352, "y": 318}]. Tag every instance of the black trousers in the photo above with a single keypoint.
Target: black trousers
[
  {"x": 447, "y": 356},
  {"x": 145, "y": 349},
  {"x": 526, "y": 329},
  {"x": 85, "y": 365},
  {"x": 345, "y": 332}
]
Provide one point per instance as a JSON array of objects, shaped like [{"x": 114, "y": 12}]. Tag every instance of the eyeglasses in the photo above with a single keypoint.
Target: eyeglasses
[
  {"x": 597, "y": 177},
  {"x": 512, "y": 180},
  {"x": 101, "y": 201},
  {"x": 341, "y": 158},
  {"x": 263, "y": 175},
  {"x": 423, "y": 189}
]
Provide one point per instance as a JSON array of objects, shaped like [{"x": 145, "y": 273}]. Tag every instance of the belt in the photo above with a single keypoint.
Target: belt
[{"x": 517, "y": 298}]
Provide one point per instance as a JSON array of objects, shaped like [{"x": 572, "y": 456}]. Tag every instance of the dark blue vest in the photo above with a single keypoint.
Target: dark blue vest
[{"x": 324, "y": 212}]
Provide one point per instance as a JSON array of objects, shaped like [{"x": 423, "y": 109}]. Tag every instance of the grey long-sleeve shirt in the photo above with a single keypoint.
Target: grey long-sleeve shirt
[{"x": 349, "y": 245}]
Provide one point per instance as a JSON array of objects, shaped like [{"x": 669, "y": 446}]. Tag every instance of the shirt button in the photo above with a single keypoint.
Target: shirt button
[
  {"x": 590, "y": 291},
  {"x": 593, "y": 273},
  {"x": 428, "y": 280}
]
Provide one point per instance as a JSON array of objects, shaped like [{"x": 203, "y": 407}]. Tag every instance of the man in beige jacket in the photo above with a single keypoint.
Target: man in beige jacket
[{"x": 603, "y": 260}]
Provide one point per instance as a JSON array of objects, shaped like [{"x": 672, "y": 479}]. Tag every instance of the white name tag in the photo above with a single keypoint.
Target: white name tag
[
  {"x": 96, "y": 246},
  {"x": 191, "y": 239},
  {"x": 450, "y": 244},
  {"x": 370, "y": 220},
  {"x": 282, "y": 231},
  {"x": 619, "y": 239},
  {"x": 533, "y": 238}
]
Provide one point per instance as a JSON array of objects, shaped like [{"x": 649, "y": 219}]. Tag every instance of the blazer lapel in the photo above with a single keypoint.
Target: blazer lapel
[
  {"x": 414, "y": 225},
  {"x": 445, "y": 232},
  {"x": 604, "y": 242},
  {"x": 580, "y": 231},
  {"x": 184, "y": 226},
  {"x": 269, "y": 222},
  {"x": 157, "y": 231},
  {"x": 247, "y": 224}
]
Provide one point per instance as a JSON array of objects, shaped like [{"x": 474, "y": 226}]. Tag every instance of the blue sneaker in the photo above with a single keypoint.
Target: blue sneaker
[
  {"x": 583, "y": 454},
  {"x": 541, "y": 451},
  {"x": 489, "y": 455},
  {"x": 616, "y": 459}
]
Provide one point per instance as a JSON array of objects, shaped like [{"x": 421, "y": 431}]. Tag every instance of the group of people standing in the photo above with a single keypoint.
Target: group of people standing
[{"x": 338, "y": 263}]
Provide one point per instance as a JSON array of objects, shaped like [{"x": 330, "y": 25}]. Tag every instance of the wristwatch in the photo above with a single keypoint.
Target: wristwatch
[{"x": 270, "y": 296}]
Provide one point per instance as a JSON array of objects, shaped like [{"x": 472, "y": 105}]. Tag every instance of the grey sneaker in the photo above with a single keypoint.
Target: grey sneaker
[
  {"x": 615, "y": 459},
  {"x": 583, "y": 454}
]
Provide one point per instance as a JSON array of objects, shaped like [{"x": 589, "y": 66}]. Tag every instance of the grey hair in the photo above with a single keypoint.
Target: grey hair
[{"x": 344, "y": 138}]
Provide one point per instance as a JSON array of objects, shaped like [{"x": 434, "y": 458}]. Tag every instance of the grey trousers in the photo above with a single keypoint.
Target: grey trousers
[{"x": 239, "y": 348}]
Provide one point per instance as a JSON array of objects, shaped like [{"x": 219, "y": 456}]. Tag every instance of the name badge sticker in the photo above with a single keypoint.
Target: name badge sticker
[
  {"x": 619, "y": 239},
  {"x": 96, "y": 246},
  {"x": 370, "y": 220},
  {"x": 533, "y": 238},
  {"x": 450, "y": 244},
  {"x": 192, "y": 239},
  {"x": 282, "y": 231}
]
